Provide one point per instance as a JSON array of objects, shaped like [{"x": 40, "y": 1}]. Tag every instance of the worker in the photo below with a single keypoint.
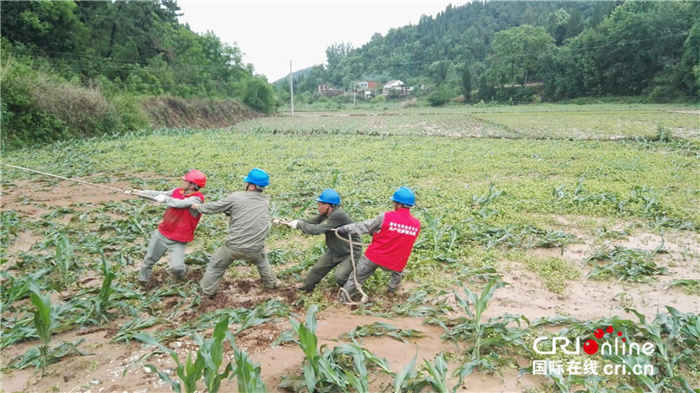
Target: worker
[
  {"x": 330, "y": 216},
  {"x": 177, "y": 227},
  {"x": 249, "y": 224},
  {"x": 394, "y": 234}
]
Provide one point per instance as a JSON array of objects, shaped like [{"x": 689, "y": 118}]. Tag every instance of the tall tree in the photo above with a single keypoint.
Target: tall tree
[
  {"x": 517, "y": 52},
  {"x": 467, "y": 83}
]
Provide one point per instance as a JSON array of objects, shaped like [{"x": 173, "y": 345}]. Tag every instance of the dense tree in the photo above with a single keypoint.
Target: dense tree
[
  {"x": 467, "y": 84},
  {"x": 574, "y": 48},
  {"x": 137, "y": 47},
  {"x": 557, "y": 24},
  {"x": 518, "y": 51}
]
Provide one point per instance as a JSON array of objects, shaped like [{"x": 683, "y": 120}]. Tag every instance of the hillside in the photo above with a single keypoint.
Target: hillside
[
  {"x": 575, "y": 48},
  {"x": 60, "y": 58},
  {"x": 296, "y": 74}
]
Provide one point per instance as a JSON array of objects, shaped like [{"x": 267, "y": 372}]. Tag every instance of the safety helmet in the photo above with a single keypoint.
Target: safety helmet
[
  {"x": 196, "y": 177},
  {"x": 404, "y": 196},
  {"x": 258, "y": 177},
  {"x": 329, "y": 196}
]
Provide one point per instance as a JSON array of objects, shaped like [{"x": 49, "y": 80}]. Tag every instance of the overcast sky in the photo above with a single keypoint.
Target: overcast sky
[{"x": 270, "y": 34}]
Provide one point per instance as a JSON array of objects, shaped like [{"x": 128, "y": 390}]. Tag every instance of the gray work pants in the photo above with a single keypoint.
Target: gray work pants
[
  {"x": 157, "y": 246},
  {"x": 324, "y": 265},
  {"x": 365, "y": 269},
  {"x": 222, "y": 259}
]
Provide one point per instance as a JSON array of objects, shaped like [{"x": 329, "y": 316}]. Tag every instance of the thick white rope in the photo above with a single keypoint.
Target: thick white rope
[
  {"x": 75, "y": 180},
  {"x": 364, "y": 298}
]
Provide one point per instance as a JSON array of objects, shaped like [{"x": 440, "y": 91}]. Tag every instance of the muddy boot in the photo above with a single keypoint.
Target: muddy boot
[
  {"x": 274, "y": 285},
  {"x": 345, "y": 299}
]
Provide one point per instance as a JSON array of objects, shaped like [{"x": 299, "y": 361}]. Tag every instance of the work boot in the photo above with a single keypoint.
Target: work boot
[
  {"x": 274, "y": 285},
  {"x": 343, "y": 297}
]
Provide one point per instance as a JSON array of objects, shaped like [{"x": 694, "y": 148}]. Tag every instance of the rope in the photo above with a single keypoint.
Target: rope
[
  {"x": 75, "y": 180},
  {"x": 364, "y": 298}
]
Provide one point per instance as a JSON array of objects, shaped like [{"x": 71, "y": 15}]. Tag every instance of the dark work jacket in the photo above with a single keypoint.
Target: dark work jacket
[{"x": 339, "y": 249}]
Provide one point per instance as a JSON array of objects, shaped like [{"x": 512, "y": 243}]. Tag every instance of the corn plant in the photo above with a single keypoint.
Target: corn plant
[
  {"x": 10, "y": 227},
  {"x": 248, "y": 373},
  {"x": 42, "y": 323},
  {"x": 38, "y": 358},
  {"x": 63, "y": 256},
  {"x": 381, "y": 328},
  {"x": 417, "y": 306},
  {"x": 437, "y": 378},
  {"x": 488, "y": 197},
  {"x": 691, "y": 286},
  {"x": 206, "y": 366},
  {"x": 626, "y": 264},
  {"x": 324, "y": 370},
  {"x": 130, "y": 329},
  {"x": 17, "y": 288},
  {"x": 403, "y": 379},
  {"x": 45, "y": 317},
  {"x": 488, "y": 337}
]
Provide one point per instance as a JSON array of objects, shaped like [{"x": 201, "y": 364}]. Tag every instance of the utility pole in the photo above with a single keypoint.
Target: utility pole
[
  {"x": 354, "y": 93},
  {"x": 291, "y": 87}
]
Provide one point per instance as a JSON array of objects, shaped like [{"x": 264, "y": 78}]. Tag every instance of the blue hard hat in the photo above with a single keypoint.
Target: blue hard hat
[
  {"x": 404, "y": 196},
  {"x": 258, "y": 177},
  {"x": 330, "y": 196}
]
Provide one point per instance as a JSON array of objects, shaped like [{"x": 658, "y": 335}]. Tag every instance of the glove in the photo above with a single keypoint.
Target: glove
[
  {"x": 129, "y": 191},
  {"x": 279, "y": 221},
  {"x": 342, "y": 230},
  {"x": 160, "y": 198},
  {"x": 293, "y": 224}
]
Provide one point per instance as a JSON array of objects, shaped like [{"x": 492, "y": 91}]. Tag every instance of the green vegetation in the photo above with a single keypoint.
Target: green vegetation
[
  {"x": 626, "y": 264},
  {"x": 485, "y": 204},
  {"x": 525, "y": 52},
  {"x": 207, "y": 364},
  {"x": 572, "y": 122},
  {"x": 379, "y": 329},
  {"x": 105, "y": 58}
]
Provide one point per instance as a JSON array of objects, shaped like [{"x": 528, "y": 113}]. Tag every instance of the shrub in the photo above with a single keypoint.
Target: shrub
[
  {"x": 259, "y": 95},
  {"x": 439, "y": 97},
  {"x": 378, "y": 100}
]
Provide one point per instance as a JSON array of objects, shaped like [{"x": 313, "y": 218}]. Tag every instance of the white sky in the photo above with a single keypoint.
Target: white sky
[{"x": 272, "y": 33}]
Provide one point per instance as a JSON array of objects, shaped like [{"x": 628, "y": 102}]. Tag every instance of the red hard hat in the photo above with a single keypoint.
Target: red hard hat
[{"x": 196, "y": 177}]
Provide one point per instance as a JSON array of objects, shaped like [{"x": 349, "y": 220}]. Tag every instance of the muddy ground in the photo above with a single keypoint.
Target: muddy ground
[{"x": 102, "y": 369}]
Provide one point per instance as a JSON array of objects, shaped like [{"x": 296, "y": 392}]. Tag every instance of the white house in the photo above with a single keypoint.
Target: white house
[{"x": 393, "y": 86}]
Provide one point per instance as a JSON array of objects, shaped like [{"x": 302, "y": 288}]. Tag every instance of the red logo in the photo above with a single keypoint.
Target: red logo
[{"x": 591, "y": 346}]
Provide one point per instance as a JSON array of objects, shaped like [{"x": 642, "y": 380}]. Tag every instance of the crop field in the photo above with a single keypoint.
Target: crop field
[
  {"x": 536, "y": 221},
  {"x": 577, "y": 122}
]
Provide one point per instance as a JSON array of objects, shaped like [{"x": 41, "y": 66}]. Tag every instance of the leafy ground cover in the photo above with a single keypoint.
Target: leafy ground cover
[
  {"x": 558, "y": 220},
  {"x": 579, "y": 122}
]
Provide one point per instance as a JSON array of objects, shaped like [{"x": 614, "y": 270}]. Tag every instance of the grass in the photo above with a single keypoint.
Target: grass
[{"x": 555, "y": 272}]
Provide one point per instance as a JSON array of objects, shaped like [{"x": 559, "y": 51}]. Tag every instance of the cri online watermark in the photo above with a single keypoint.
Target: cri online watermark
[{"x": 591, "y": 347}]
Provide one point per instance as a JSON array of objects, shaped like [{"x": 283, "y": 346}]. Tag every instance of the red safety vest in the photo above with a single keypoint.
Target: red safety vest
[
  {"x": 392, "y": 245},
  {"x": 179, "y": 224}
]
